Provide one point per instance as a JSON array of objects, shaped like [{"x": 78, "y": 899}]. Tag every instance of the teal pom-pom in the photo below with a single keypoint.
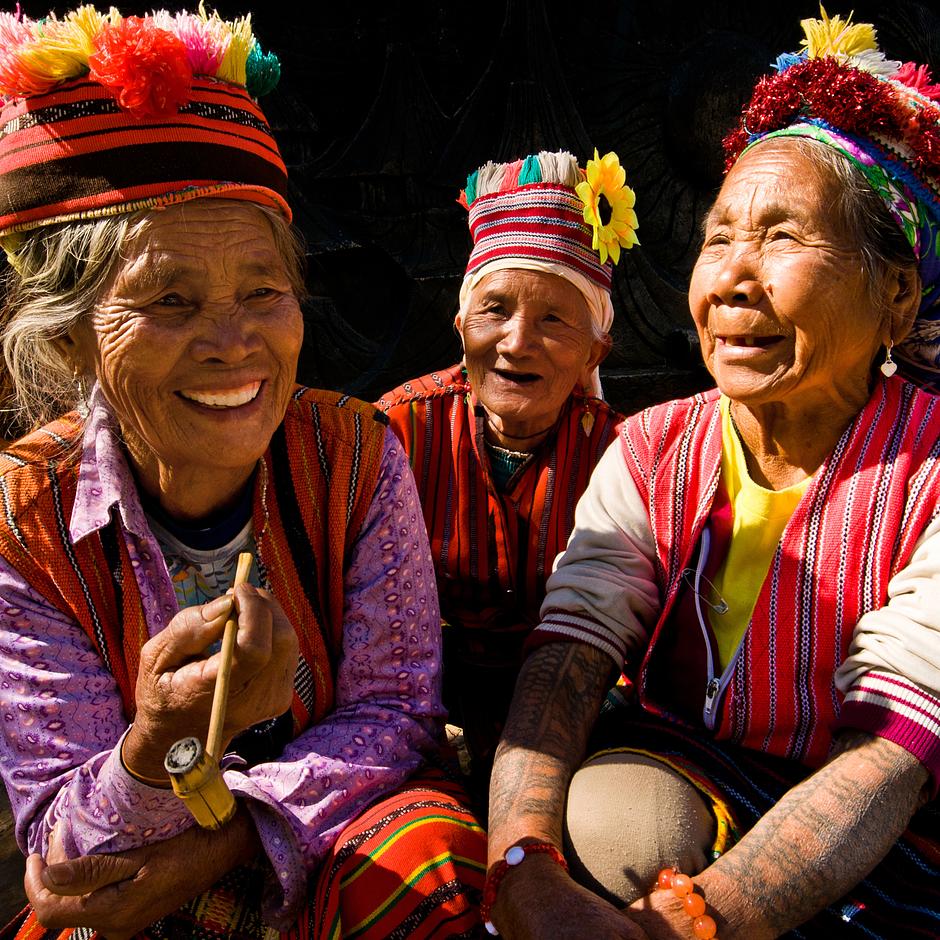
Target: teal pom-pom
[
  {"x": 471, "y": 188},
  {"x": 262, "y": 72},
  {"x": 531, "y": 171}
]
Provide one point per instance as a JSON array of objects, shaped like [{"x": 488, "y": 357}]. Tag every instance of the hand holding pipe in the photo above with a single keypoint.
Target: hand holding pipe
[{"x": 194, "y": 771}]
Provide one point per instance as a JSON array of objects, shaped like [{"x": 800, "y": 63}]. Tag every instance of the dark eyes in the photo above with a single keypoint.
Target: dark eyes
[
  {"x": 170, "y": 300},
  {"x": 177, "y": 300}
]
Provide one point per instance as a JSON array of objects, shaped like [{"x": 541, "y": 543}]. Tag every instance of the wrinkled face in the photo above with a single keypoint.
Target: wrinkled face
[
  {"x": 195, "y": 340},
  {"x": 778, "y": 295},
  {"x": 527, "y": 339}
]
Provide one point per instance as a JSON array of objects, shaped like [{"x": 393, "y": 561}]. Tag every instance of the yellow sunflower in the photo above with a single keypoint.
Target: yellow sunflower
[
  {"x": 608, "y": 206},
  {"x": 833, "y": 36}
]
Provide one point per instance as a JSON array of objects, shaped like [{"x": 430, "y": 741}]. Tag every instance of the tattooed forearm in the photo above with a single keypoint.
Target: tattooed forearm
[
  {"x": 821, "y": 839},
  {"x": 558, "y": 696}
]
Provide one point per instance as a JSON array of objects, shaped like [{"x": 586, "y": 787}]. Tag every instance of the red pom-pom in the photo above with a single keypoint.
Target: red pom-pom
[{"x": 147, "y": 68}]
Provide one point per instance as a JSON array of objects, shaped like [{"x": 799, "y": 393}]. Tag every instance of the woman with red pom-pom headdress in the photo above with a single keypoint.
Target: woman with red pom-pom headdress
[
  {"x": 151, "y": 330},
  {"x": 762, "y": 562}
]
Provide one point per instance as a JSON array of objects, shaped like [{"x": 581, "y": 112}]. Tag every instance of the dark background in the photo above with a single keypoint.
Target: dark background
[{"x": 384, "y": 108}]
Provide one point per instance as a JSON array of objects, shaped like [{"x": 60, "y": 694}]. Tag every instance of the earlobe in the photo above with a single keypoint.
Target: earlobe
[{"x": 70, "y": 350}]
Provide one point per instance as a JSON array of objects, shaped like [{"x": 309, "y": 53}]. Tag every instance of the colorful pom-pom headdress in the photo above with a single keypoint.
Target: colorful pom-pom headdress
[
  {"x": 104, "y": 114},
  {"x": 545, "y": 213},
  {"x": 883, "y": 116}
]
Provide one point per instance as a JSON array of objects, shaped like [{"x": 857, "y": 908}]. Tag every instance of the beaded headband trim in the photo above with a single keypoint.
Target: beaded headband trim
[{"x": 104, "y": 114}]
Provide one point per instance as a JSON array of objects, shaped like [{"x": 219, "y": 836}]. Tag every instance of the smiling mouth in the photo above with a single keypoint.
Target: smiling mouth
[
  {"x": 749, "y": 342},
  {"x": 224, "y": 398},
  {"x": 521, "y": 378}
]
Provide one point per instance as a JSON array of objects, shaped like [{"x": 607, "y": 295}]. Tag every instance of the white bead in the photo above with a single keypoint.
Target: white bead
[
  {"x": 491, "y": 928},
  {"x": 515, "y": 855}
]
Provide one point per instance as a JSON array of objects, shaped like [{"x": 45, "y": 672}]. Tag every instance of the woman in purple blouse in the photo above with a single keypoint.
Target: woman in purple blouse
[{"x": 152, "y": 332}]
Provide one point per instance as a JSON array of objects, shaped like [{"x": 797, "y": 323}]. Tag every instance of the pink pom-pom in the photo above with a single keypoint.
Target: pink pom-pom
[
  {"x": 206, "y": 42},
  {"x": 918, "y": 77}
]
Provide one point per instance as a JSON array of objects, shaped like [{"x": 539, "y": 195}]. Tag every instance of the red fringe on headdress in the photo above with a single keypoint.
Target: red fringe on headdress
[{"x": 847, "y": 98}]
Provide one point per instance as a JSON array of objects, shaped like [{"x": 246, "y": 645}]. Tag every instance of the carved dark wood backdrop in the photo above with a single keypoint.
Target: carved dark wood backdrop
[{"x": 384, "y": 109}]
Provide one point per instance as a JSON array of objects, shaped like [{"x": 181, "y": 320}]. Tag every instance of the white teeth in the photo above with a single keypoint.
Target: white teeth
[{"x": 230, "y": 398}]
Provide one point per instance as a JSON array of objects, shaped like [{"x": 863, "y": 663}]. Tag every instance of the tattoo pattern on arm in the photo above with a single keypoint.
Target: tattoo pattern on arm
[
  {"x": 558, "y": 696},
  {"x": 820, "y": 839}
]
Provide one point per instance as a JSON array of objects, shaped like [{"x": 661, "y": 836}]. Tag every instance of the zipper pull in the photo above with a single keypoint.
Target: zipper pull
[{"x": 711, "y": 699}]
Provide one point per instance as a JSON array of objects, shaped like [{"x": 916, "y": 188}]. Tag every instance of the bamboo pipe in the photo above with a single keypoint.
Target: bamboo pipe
[{"x": 194, "y": 770}]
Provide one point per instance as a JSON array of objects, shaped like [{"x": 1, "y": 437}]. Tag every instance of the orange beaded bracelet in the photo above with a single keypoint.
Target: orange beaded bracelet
[
  {"x": 703, "y": 926},
  {"x": 515, "y": 855}
]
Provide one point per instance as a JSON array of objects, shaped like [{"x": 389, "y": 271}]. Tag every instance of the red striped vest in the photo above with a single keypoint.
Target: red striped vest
[
  {"x": 853, "y": 530},
  {"x": 493, "y": 551}
]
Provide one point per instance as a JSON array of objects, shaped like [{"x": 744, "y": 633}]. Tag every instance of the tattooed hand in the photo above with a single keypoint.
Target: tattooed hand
[
  {"x": 557, "y": 699},
  {"x": 538, "y": 900}
]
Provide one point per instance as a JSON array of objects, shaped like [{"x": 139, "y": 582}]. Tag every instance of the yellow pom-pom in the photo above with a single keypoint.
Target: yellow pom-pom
[
  {"x": 833, "y": 36},
  {"x": 232, "y": 68}
]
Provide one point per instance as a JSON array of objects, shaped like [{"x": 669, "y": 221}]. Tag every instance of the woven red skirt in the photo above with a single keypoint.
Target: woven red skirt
[{"x": 412, "y": 865}]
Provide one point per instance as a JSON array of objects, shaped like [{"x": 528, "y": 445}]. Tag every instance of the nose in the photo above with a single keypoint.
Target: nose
[
  {"x": 226, "y": 333},
  {"x": 518, "y": 337},
  {"x": 738, "y": 280}
]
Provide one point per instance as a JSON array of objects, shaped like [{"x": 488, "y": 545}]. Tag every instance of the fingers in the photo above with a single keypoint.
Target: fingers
[
  {"x": 87, "y": 873},
  {"x": 253, "y": 642},
  {"x": 78, "y": 893},
  {"x": 265, "y": 635},
  {"x": 187, "y": 635},
  {"x": 265, "y": 659}
]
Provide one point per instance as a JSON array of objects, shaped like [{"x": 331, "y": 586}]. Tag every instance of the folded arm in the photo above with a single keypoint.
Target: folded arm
[{"x": 819, "y": 840}]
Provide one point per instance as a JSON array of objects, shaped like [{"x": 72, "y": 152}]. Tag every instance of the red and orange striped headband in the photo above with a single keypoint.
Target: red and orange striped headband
[{"x": 104, "y": 115}]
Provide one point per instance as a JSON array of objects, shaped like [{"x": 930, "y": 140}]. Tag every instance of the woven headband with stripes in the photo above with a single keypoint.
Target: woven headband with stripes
[{"x": 541, "y": 222}]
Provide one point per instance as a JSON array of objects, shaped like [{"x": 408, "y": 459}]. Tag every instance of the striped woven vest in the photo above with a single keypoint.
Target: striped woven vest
[
  {"x": 311, "y": 498},
  {"x": 493, "y": 551},
  {"x": 853, "y": 530}
]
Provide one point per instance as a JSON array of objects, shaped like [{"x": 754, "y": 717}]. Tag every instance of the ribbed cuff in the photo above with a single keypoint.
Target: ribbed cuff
[
  {"x": 894, "y": 708},
  {"x": 557, "y": 625}
]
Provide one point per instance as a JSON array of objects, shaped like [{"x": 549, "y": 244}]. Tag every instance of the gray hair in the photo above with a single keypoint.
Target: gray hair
[
  {"x": 57, "y": 275},
  {"x": 867, "y": 222}
]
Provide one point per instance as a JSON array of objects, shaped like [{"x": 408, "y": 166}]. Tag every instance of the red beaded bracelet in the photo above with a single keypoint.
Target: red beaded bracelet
[
  {"x": 515, "y": 855},
  {"x": 703, "y": 926}
]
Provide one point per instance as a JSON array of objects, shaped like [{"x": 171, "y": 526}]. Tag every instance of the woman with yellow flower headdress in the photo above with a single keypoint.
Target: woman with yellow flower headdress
[
  {"x": 503, "y": 443},
  {"x": 762, "y": 562}
]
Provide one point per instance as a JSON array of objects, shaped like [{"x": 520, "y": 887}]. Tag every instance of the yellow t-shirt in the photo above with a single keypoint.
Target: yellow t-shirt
[{"x": 759, "y": 517}]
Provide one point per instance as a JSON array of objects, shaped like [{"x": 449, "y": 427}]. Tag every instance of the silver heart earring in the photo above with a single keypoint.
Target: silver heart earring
[{"x": 889, "y": 366}]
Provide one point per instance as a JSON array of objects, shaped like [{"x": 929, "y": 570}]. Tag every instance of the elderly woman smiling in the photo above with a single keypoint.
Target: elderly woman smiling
[
  {"x": 503, "y": 444},
  {"x": 763, "y": 561},
  {"x": 152, "y": 332}
]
